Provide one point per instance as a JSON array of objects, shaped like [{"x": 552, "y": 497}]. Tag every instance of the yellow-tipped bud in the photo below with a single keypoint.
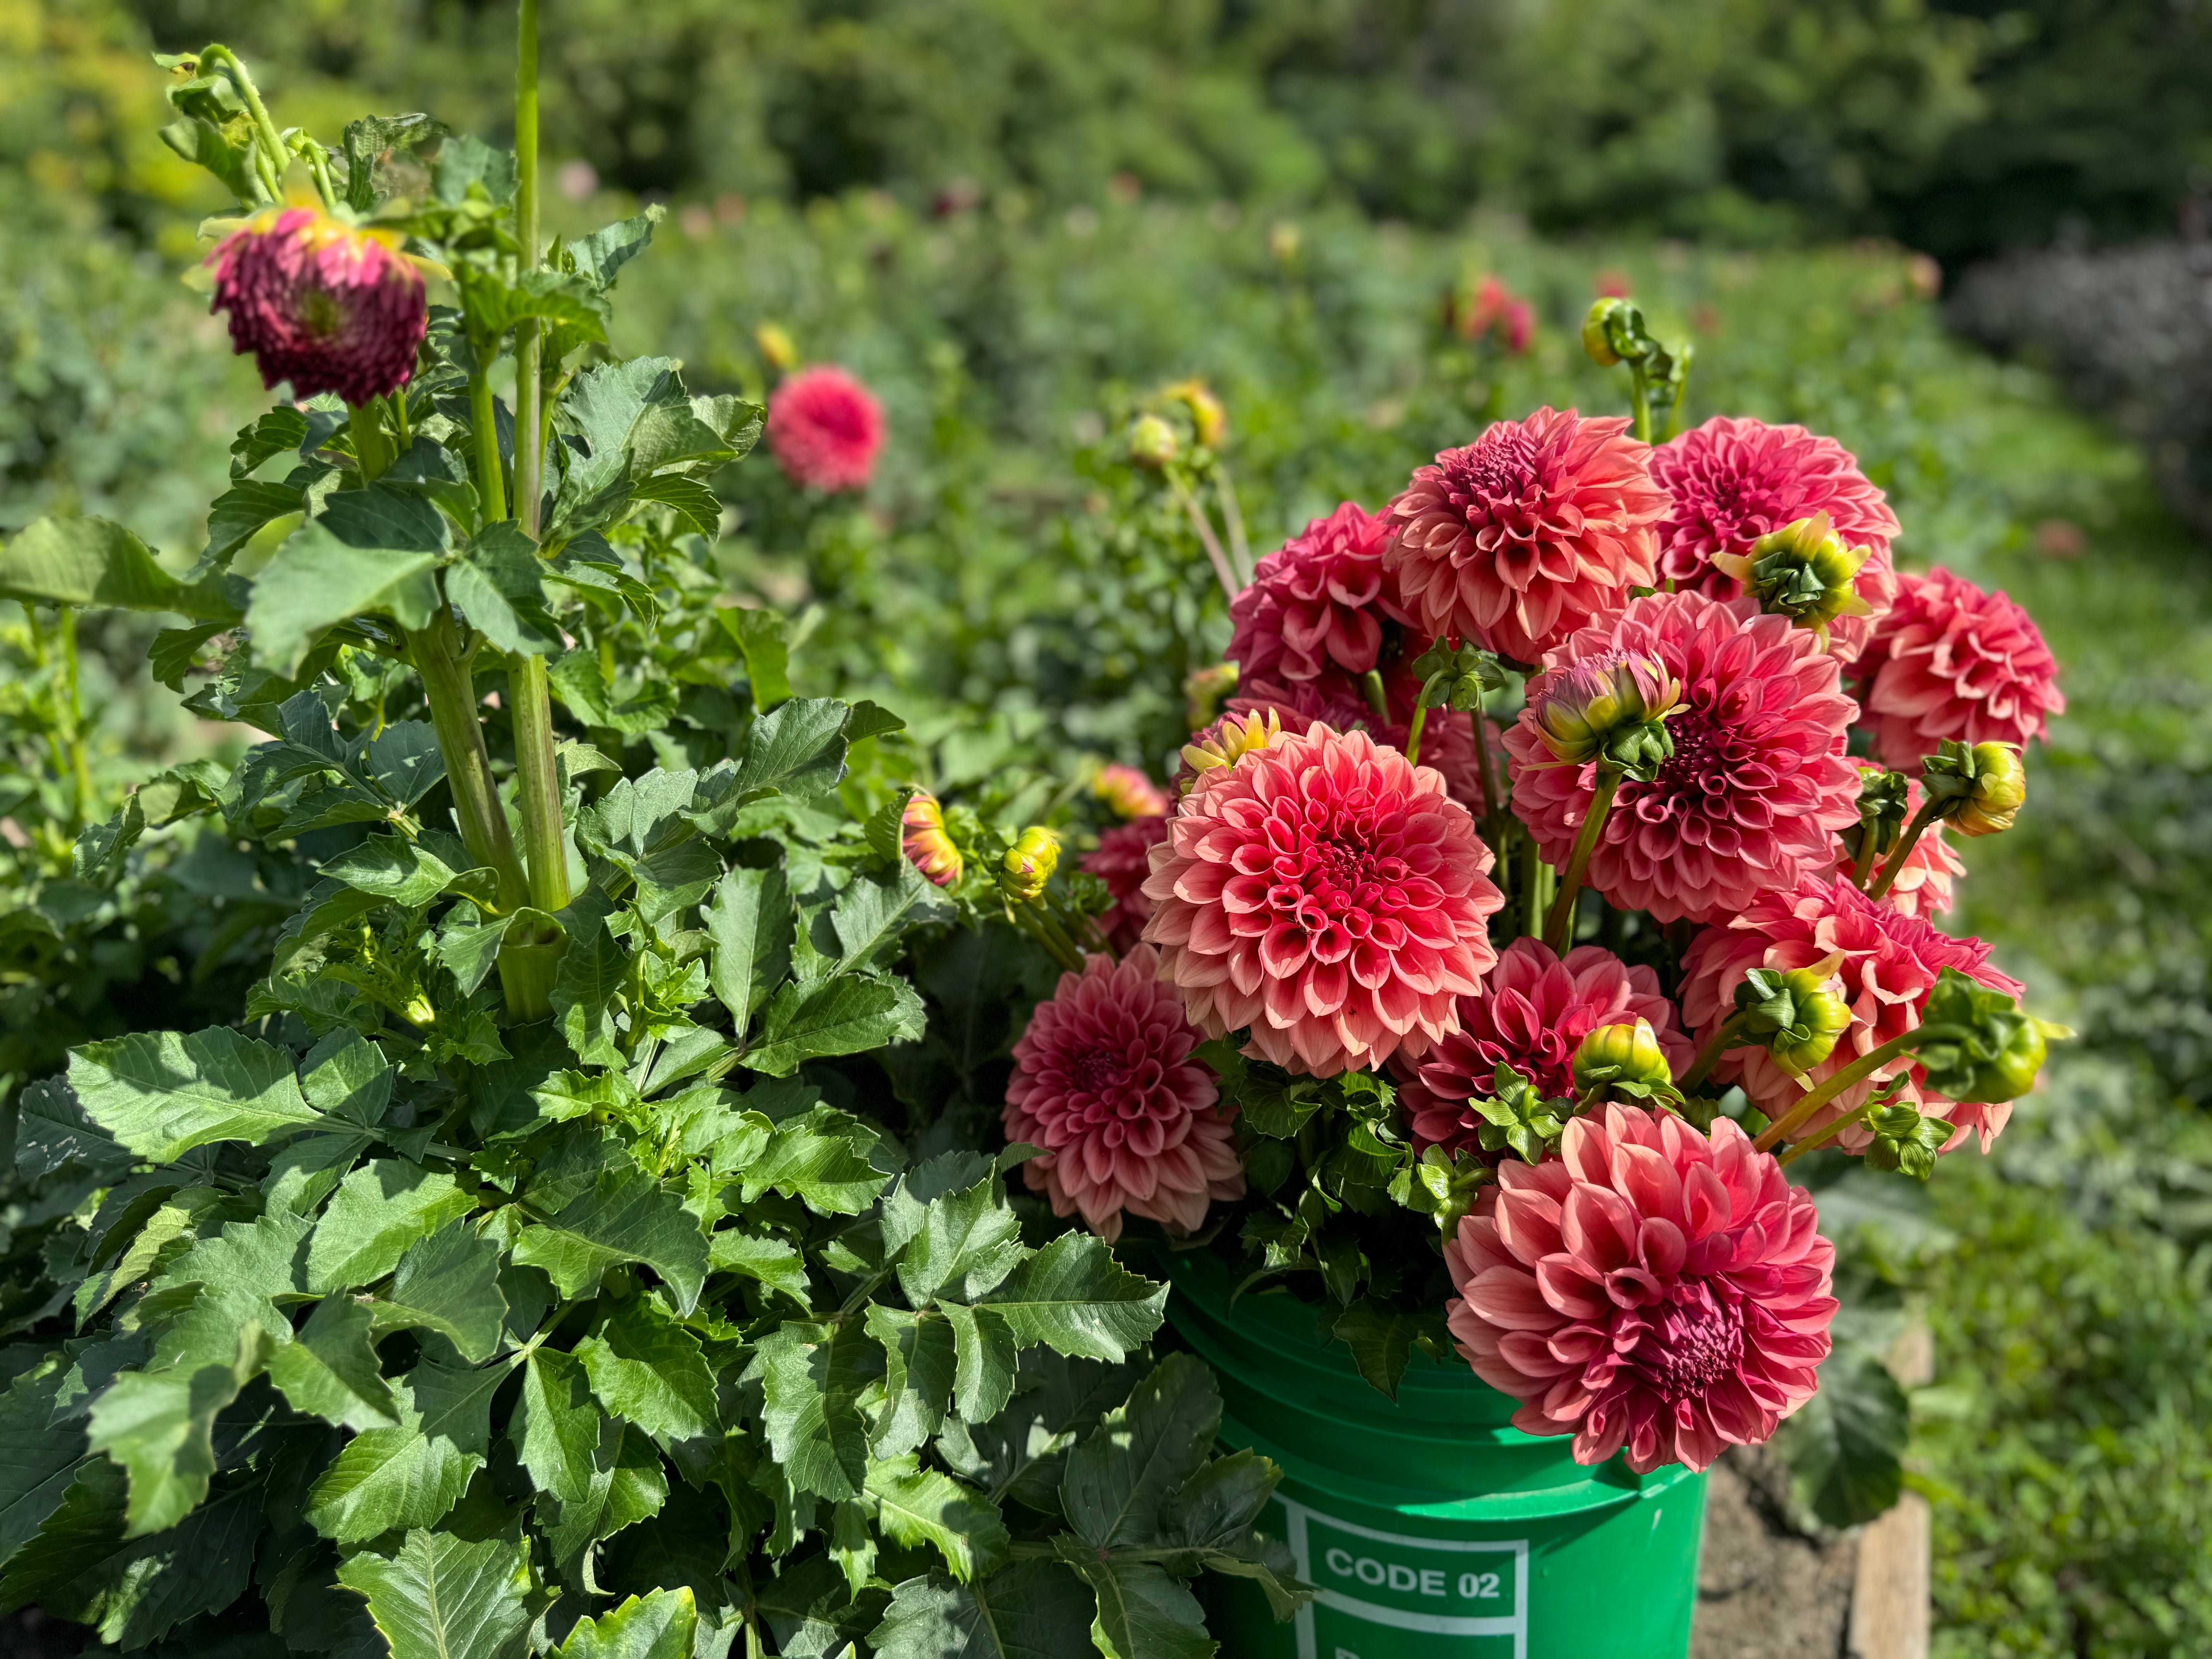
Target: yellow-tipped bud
[
  {"x": 1224, "y": 745},
  {"x": 1028, "y": 864}
]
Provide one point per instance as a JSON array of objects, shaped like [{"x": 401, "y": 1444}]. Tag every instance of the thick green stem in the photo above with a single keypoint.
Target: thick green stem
[
  {"x": 1536, "y": 888},
  {"x": 451, "y": 689},
  {"x": 1821, "y": 1138},
  {"x": 372, "y": 449},
  {"x": 1378, "y": 700},
  {"x": 1856, "y": 1073},
  {"x": 1895, "y": 867},
  {"x": 1639, "y": 400},
  {"x": 1559, "y": 924},
  {"x": 1421, "y": 715},
  {"x": 1492, "y": 806},
  {"x": 538, "y": 782},
  {"x": 271, "y": 146},
  {"x": 1716, "y": 1045},
  {"x": 491, "y": 476}
]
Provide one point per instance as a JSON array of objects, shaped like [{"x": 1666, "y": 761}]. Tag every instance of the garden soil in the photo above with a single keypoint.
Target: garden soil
[{"x": 1766, "y": 1590}]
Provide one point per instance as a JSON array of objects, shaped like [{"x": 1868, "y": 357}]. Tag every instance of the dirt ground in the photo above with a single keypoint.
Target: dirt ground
[{"x": 1765, "y": 1592}]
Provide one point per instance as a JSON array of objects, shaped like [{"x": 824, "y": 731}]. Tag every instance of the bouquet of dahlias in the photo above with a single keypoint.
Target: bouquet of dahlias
[{"x": 1562, "y": 868}]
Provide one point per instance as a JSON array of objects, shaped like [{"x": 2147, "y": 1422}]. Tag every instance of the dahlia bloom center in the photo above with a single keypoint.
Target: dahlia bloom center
[{"x": 1695, "y": 1342}]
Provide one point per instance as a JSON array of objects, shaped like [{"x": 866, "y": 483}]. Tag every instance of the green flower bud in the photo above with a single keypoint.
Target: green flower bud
[
  {"x": 1885, "y": 802},
  {"x": 1605, "y": 331},
  {"x": 1802, "y": 571},
  {"x": 1445, "y": 1186},
  {"x": 1028, "y": 865},
  {"x": 1614, "y": 1054},
  {"x": 1611, "y": 707},
  {"x": 1796, "y": 1012},
  {"x": 1152, "y": 443},
  {"x": 1906, "y": 1139},
  {"x": 1988, "y": 1050},
  {"x": 1980, "y": 790}
]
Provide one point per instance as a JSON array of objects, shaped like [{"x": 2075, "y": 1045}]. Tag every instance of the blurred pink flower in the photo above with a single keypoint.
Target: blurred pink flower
[
  {"x": 1128, "y": 793},
  {"x": 825, "y": 429},
  {"x": 1950, "y": 660},
  {"x": 319, "y": 304}
]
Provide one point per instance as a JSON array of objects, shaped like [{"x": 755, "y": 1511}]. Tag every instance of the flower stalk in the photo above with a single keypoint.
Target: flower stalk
[
  {"x": 450, "y": 686},
  {"x": 1927, "y": 815},
  {"x": 1856, "y": 1073},
  {"x": 1560, "y": 924}
]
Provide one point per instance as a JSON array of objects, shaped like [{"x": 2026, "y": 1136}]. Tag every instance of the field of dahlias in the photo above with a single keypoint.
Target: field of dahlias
[{"x": 586, "y": 924}]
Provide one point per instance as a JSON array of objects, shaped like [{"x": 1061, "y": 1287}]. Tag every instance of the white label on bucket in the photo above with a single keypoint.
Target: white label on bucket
[{"x": 1438, "y": 1586}]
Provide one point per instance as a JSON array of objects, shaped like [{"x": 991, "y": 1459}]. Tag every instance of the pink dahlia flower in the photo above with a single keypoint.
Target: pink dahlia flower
[
  {"x": 1328, "y": 895},
  {"x": 1735, "y": 480},
  {"x": 1316, "y": 605},
  {"x": 1526, "y": 534},
  {"x": 1533, "y": 1013},
  {"x": 1447, "y": 735},
  {"x": 1122, "y": 862},
  {"x": 825, "y": 429},
  {"x": 1104, "y": 1082},
  {"x": 1926, "y": 885},
  {"x": 1759, "y": 784},
  {"x": 1128, "y": 793},
  {"x": 1650, "y": 1289},
  {"x": 1952, "y": 661},
  {"x": 1887, "y": 963},
  {"x": 319, "y": 304}
]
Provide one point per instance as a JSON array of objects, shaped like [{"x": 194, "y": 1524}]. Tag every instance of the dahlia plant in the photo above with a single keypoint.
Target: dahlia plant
[{"x": 549, "y": 1242}]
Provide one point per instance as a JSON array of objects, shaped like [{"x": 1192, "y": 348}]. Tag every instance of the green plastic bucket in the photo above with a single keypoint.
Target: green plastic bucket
[{"x": 1432, "y": 1528}]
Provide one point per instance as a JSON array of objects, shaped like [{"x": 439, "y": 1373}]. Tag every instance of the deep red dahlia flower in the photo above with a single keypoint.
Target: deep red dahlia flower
[
  {"x": 322, "y": 305},
  {"x": 1950, "y": 660},
  {"x": 1123, "y": 861},
  {"x": 1887, "y": 963},
  {"x": 1534, "y": 1012},
  {"x": 1447, "y": 735},
  {"x": 1526, "y": 534},
  {"x": 825, "y": 429},
  {"x": 1104, "y": 1081},
  {"x": 1734, "y": 480},
  {"x": 1328, "y": 895},
  {"x": 1317, "y": 603},
  {"x": 1650, "y": 1289},
  {"x": 1758, "y": 785}
]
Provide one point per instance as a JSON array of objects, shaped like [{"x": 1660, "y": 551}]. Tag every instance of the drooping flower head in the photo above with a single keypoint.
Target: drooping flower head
[
  {"x": 925, "y": 842},
  {"x": 1950, "y": 660},
  {"x": 1128, "y": 793},
  {"x": 1104, "y": 1082},
  {"x": 1317, "y": 605},
  {"x": 322, "y": 305},
  {"x": 1446, "y": 737},
  {"x": 1526, "y": 534},
  {"x": 825, "y": 429},
  {"x": 1652, "y": 1289},
  {"x": 1758, "y": 783},
  {"x": 1123, "y": 860},
  {"x": 1328, "y": 895},
  {"x": 1732, "y": 481},
  {"x": 1887, "y": 962},
  {"x": 1533, "y": 1014}
]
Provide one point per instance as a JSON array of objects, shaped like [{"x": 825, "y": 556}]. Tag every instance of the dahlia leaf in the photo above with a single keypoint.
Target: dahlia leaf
[
  {"x": 599, "y": 257},
  {"x": 1030, "y": 1610},
  {"x": 984, "y": 1355},
  {"x": 379, "y": 1211},
  {"x": 917, "y": 1377},
  {"x": 39, "y": 1457},
  {"x": 967, "y": 1243},
  {"x": 498, "y": 583},
  {"x": 848, "y": 1014},
  {"x": 366, "y": 143},
  {"x": 592, "y": 971},
  {"x": 555, "y": 1428},
  {"x": 1143, "y": 1613},
  {"x": 439, "y": 1597},
  {"x": 916, "y": 1506},
  {"x": 281, "y": 428},
  {"x": 467, "y": 946},
  {"x": 759, "y": 635},
  {"x": 649, "y": 1370},
  {"x": 97, "y": 562},
  {"x": 774, "y": 1262},
  {"x": 625, "y": 1216},
  {"x": 751, "y": 923},
  {"x": 316, "y": 580},
  {"x": 162, "y": 1093},
  {"x": 411, "y": 1474},
  {"x": 660, "y": 1626},
  {"x": 797, "y": 748},
  {"x": 1844, "y": 1446},
  {"x": 492, "y": 305},
  {"x": 1075, "y": 1299},
  {"x": 160, "y": 1426},
  {"x": 237, "y": 515},
  {"x": 330, "y": 1370},
  {"x": 467, "y": 160},
  {"x": 823, "y": 1158},
  {"x": 691, "y": 501},
  {"x": 629, "y": 1486},
  {"x": 581, "y": 685},
  {"x": 871, "y": 917},
  {"x": 811, "y": 1377},
  {"x": 1124, "y": 1477},
  {"x": 449, "y": 1284},
  {"x": 429, "y": 468},
  {"x": 1381, "y": 1338},
  {"x": 1216, "y": 1507},
  {"x": 392, "y": 868}
]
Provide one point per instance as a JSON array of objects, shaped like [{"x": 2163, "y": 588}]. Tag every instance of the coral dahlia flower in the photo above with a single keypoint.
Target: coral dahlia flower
[
  {"x": 322, "y": 305},
  {"x": 825, "y": 429},
  {"x": 1327, "y": 895},
  {"x": 1926, "y": 886},
  {"x": 1123, "y": 861},
  {"x": 1758, "y": 787},
  {"x": 927, "y": 844},
  {"x": 1886, "y": 962},
  {"x": 1950, "y": 660},
  {"x": 1104, "y": 1082},
  {"x": 1652, "y": 1289},
  {"x": 1525, "y": 534},
  {"x": 1447, "y": 735},
  {"x": 1128, "y": 793},
  {"x": 1534, "y": 1012},
  {"x": 1734, "y": 480},
  {"x": 1317, "y": 603}
]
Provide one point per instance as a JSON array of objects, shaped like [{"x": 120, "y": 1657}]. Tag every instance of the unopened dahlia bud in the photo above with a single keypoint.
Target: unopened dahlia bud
[
  {"x": 1237, "y": 735},
  {"x": 1128, "y": 793},
  {"x": 1904, "y": 1140},
  {"x": 777, "y": 347},
  {"x": 1980, "y": 790},
  {"x": 1623, "y": 1057},
  {"x": 1205, "y": 689},
  {"x": 1207, "y": 417},
  {"x": 320, "y": 304},
  {"x": 1028, "y": 864},
  {"x": 1802, "y": 571},
  {"x": 1799, "y": 1009},
  {"x": 1152, "y": 443},
  {"x": 1606, "y": 320},
  {"x": 925, "y": 842},
  {"x": 1981, "y": 1048},
  {"x": 1610, "y": 708}
]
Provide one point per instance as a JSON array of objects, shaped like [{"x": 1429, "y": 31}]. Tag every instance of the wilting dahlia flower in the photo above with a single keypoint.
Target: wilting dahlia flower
[
  {"x": 1887, "y": 963},
  {"x": 1327, "y": 895},
  {"x": 1732, "y": 480},
  {"x": 825, "y": 429},
  {"x": 1526, "y": 534},
  {"x": 1952, "y": 661},
  {"x": 1650, "y": 1289},
  {"x": 1533, "y": 1014},
  {"x": 1122, "y": 862},
  {"x": 322, "y": 305},
  {"x": 1925, "y": 886},
  {"x": 1759, "y": 784},
  {"x": 1447, "y": 735},
  {"x": 1104, "y": 1081},
  {"x": 1316, "y": 605}
]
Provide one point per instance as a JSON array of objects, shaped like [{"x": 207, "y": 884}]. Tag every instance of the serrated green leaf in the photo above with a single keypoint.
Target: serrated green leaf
[
  {"x": 823, "y": 1158},
  {"x": 448, "y": 1283},
  {"x": 846, "y": 1015},
  {"x": 798, "y": 748},
  {"x": 1216, "y": 1507},
  {"x": 760, "y": 638},
  {"x": 1030, "y": 1610},
  {"x": 37, "y": 1461},
  {"x": 1143, "y": 1613},
  {"x": 1123, "y": 1476},
  {"x": 599, "y": 257},
  {"x": 556, "y": 1425},
  {"x": 320, "y": 577},
  {"x": 1075, "y": 1299},
  {"x": 468, "y": 948},
  {"x": 330, "y": 1369},
  {"x": 441, "y": 1597},
  {"x": 499, "y": 583},
  {"x": 1844, "y": 1447},
  {"x": 871, "y": 917},
  {"x": 967, "y": 1244},
  {"x": 493, "y": 305},
  {"x": 918, "y": 1375},
  {"x": 774, "y": 1262},
  {"x": 52, "y": 1131},
  {"x": 239, "y": 514},
  {"x": 661, "y": 1625},
  {"x": 623, "y": 1216},
  {"x": 1381, "y": 1338},
  {"x": 593, "y": 971},
  {"x": 750, "y": 922},
  {"x": 411, "y": 1474},
  {"x": 916, "y": 1506},
  {"x": 649, "y": 1370},
  {"x": 243, "y": 1272},
  {"x": 379, "y": 1211},
  {"x": 393, "y": 869},
  {"x": 691, "y": 501},
  {"x": 97, "y": 562},
  {"x": 281, "y": 428},
  {"x": 160, "y": 1426},
  {"x": 162, "y": 1093},
  {"x": 629, "y": 1486},
  {"x": 984, "y": 1352},
  {"x": 811, "y": 1377}
]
